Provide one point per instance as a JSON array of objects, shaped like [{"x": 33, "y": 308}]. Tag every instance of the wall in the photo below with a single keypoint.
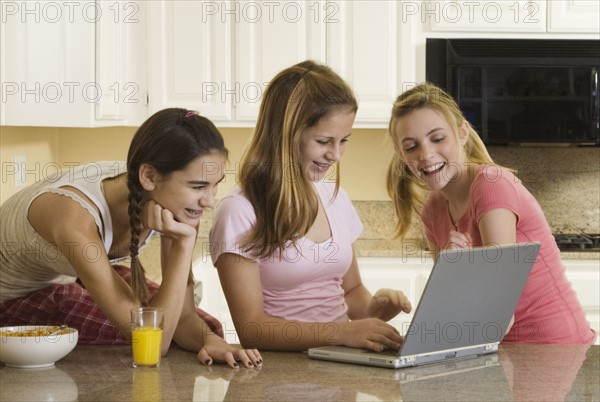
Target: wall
[
  {"x": 40, "y": 145},
  {"x": 565, "y": 180},
  {"x": 364, "y": 164}
]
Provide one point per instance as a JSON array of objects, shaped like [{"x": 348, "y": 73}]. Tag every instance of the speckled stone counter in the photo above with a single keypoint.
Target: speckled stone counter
[
  {"x": 519, "y": 373},
  {"x": 415, "y": 248}
]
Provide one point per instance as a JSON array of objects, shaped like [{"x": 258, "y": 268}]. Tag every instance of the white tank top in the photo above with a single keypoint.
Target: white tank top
[{"x": 27, "y": 261}]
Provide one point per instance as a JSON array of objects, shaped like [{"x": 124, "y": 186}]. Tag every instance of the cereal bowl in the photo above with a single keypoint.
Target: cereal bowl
[{"x": 33, "y": 346}]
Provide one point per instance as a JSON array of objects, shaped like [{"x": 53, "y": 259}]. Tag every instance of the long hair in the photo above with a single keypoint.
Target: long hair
[
  {"x": 271, "y": 175},
  {"x": 168, "y": 141},
  {"x": 405, "y": 189}
]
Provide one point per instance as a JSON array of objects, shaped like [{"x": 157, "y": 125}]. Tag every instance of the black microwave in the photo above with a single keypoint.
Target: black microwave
[{"x": 516, "y": 91}]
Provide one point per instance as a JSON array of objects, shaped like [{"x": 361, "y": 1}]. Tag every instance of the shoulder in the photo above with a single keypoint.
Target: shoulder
[
  {"x": 326, "y": 191},
  {"x": 69, "y": 220},
  {"x": 234, "y": 206},
  {"x": 235, "y": 200},
  {"x": 489, "y": 174}
]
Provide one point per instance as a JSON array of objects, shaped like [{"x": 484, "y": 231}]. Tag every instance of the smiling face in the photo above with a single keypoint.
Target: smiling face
[
  {"x": 186, "y": 193},
  {"x": 431, "y": 148},
  {"x": 323, "y": 144}
]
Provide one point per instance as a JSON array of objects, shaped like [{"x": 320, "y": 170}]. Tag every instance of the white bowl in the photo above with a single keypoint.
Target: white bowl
[{"x": 33, "y": 350}]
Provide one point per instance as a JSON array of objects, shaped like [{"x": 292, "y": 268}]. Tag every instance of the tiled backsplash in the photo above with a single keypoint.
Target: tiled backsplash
[{"x": 564, "y": 180}]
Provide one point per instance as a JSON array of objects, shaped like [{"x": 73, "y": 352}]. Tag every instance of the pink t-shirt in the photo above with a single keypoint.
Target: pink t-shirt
[
  {"x": 303, "y": 284},
  {"x": 548, "y": 311}
]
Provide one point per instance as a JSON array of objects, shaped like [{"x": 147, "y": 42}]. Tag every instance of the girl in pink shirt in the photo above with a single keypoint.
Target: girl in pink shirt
[
  {"x": 282, "y": 241},
  {"x": 474, "y": 202}
]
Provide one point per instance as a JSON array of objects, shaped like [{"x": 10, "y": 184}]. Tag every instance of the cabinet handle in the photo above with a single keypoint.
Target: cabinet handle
[{"x": 595, "y": 102}]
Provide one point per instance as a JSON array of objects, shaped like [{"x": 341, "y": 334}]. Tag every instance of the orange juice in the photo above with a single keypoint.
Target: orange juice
[{"x": 146, "y": 343}]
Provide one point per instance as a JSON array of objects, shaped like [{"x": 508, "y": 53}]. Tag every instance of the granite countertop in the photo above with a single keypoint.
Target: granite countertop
[
  {"x": 365, "y": 248},
  {"x": 407, "y": 248},
  {"x": 516, "y": 372},
  {"x": 414, "y": 248}
]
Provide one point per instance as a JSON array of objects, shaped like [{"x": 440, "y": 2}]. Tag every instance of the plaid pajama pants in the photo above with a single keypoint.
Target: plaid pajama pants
[{"x": 72, "y": 305}]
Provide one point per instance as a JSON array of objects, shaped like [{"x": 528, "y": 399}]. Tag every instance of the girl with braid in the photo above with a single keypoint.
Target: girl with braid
[{"x": 61, "y": 240}]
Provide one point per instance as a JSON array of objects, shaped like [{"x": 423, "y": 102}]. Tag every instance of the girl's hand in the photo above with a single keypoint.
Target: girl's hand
[
  {"x": 216, "y": 349},
  {"x": 387, "y": 303},
  {"x": 369, "y": 333},
  {"x": 161, "y": 220},
  {"x": 457, "y": 240}
]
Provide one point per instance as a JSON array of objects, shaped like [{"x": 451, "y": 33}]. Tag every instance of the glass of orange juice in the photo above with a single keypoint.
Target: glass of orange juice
[{"x": 146, "y": 336}]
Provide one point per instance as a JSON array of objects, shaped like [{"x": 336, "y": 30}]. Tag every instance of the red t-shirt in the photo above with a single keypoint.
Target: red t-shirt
[{"x": 548, "y": 311}]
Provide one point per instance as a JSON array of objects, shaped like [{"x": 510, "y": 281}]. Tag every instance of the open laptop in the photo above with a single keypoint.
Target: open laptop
[{"x": 465, "y": 308}]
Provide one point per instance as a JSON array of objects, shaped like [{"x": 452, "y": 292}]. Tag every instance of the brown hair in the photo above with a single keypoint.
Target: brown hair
[
  {"x": 168, "y": 141},
  {"x": 271, "y": 177}
]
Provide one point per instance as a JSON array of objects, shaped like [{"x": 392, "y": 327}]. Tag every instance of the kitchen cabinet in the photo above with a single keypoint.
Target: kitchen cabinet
[
  {"x": 371, "y": 47},
  {"x": 190, "y": 60},
  {"x": 511, "y": 16},
  {"x": 577, "y": 16},
  {"x": 409, "y": 275},
  {"x": 269, "y": 37},
  {"x": 209, "y": 295},
  {"x": 218, "y": 57},
  {"x": 73, "y": 64},
  {"x": 482, "y": 16},
  {"x": 584, "y": 275}
]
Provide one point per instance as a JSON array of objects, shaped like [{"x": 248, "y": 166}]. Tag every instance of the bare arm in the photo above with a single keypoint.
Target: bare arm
[
  {"x": 240, "y": 279},
  {"x": 189, "y": 330},
  {"x": 498, "y": 226},
  {"x": 73, "y": 230}
]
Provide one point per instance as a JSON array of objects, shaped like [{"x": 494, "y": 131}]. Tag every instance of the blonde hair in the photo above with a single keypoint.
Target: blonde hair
[
  {"x": 271, "y": 175},
  {"x": 405, "y": 189}
]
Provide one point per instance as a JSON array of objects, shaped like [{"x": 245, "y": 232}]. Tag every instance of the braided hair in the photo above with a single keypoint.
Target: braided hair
[{"x": 167, "y": 141}]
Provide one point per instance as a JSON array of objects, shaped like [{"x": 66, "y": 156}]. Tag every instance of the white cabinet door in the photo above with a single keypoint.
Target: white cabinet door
[
  {"x": 584, "y": 276},
  {"x": 190, "y": 57},
  {"x": 574, "y": 16},
  {"x": 269, "y": 37},
  {"x": 480, "y": 16},
  {"x": 407, "y": 275},
  {"x": 47, "y": 64},
  {"x": 65, "y": 63},
  {"x": 365, "y": 45},
  {"x": 210, "y": 297},
  {"x": 121, "y": 63}
]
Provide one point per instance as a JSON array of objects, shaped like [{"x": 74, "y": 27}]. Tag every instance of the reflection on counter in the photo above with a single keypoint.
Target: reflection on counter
[
  {"x": 43, "y": 384},
  {"x": 145, "y": 385},
  {"x": 516, "y": 372},
  {"x": 520, "y": 373},
  {"x": 550, "y": 371}
]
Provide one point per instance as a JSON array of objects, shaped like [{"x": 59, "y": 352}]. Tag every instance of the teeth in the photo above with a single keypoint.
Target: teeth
[{"x": 433, "y": 168}]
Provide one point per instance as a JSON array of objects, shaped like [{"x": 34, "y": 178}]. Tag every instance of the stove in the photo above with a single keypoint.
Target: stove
[{"x": 578, "y": 242}]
